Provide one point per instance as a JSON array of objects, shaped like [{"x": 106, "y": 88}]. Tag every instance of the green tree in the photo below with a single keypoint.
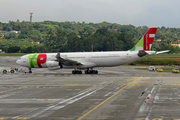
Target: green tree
[
  {"x": 13, "y": 49},
  {"x": 50, "y": 41},
  {"x": 61, "y": 40},
  {"x": 73, "y": 43}
]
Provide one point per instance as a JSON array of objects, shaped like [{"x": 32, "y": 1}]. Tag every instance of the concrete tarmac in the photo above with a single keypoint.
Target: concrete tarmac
[{"x": 116, "y": 93}]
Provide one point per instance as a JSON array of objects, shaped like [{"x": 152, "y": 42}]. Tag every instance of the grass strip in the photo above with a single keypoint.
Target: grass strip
[
  {"x": 12, "y": 54},
  {"x": 164, "y": 70}
]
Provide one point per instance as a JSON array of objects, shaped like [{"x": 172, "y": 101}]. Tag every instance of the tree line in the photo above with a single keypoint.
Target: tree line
[
  {"x": 78, "y": 37},
  {"x": 102, "y": 40}
]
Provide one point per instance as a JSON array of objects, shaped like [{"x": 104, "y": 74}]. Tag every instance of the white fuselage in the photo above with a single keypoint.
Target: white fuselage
[{"x": 87, "y": 59}]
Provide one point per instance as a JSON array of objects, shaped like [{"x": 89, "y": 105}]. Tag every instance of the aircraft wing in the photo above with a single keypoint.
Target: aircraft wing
[
  {"x": 66, "y": 61},
  {"x": 162, "y": 51}
]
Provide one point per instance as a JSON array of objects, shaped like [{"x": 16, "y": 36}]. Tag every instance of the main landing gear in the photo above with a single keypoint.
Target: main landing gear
[
  {"x": 76, "y": 72},
  {"x": 91, "y": 71},
  {"x": 86, "y": 71}
]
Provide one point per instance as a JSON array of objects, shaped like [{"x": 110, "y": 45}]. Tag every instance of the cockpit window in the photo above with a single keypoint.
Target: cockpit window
[{"x": 21, "y": 58}]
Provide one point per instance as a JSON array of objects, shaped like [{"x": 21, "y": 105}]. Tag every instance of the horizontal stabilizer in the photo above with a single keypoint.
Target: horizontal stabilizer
[
  {"x": 162, "y": 51},
  {"x": 143, "y": 53}
]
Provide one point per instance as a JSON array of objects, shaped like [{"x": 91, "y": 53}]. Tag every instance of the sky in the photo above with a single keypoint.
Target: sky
[{"x": 151, "y": 13}]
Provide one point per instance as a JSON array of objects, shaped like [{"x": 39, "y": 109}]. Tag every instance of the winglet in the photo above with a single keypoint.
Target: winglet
[{"x": 146, "y": 41}]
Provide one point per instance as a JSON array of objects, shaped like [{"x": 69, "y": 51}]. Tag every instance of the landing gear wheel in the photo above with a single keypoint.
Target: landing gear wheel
[
  {"x": 91, "y": 72},
  {"x": 79, "y": 72},
  {"x": 30, "y": 70},
  {"x": 76, "y": 72},
  {"x": 4, "y": 71},
  {"x": 73, "y": 72},
  {"x": 12, "y": 71}
]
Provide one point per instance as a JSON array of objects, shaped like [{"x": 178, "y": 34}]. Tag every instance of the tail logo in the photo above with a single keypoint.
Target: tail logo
[
  {"x": 151, "y": 35},
  {"x": 146, "y": 41}
]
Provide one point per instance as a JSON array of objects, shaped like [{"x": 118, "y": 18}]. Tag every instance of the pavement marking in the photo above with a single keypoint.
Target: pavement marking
[
  {"x": 21, "y": 118},
  {"x": 157, "y": 119},
  {"x": 122, "y": 84},
  {"x": 107, "y": 99},
  {"x": 69, "y": 89},
  {"x": 74, "y": 89},
  {"x": 74, "y": 84},
  {"x": 2, "y": 118},
  {"x": 10, "y": 90},
  {"x": 163, "y": 88},
  {"x": 176, "y": 119},
  {"x": 176, "y": 84},
  {"x": 77, "y": 89},
  {"x": 96, "y": 99},
  {"x": 98, "y": 118},
  {"x": 127, "y": 84},
  {"x": 140, "y": 119},
  {"x": 160, "y": 100},
  {"x": 61, "y": 118},
  {"x": 64, "y": 99},
  {"x": 40, "y": 99}
]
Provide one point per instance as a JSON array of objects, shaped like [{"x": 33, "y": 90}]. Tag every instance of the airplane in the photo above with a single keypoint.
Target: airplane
[{"x": 88, "y": 60}]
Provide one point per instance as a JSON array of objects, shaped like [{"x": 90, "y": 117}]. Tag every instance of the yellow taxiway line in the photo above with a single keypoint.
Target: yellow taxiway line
[{"x": 107, "y": 99}]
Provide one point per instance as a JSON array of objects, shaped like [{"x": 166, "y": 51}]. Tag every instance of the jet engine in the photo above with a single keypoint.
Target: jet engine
[{"x": 53, "y": 65}]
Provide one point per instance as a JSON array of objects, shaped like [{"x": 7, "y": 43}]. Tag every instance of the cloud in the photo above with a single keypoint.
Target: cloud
[{"x": 136, "y": 12}]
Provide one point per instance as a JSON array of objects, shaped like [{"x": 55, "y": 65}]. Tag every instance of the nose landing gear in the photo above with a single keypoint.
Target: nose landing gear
[{"x": 30, "y": 71}]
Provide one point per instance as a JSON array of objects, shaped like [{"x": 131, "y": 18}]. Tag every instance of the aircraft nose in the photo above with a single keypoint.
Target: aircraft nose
[{"x": 18, "y": 62}]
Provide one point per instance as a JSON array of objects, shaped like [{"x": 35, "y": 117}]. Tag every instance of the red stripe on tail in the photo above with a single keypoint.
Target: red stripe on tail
[{"x": 148, "y": 38}]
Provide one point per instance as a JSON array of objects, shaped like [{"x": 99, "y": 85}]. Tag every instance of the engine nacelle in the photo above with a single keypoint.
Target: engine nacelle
[{"x": 53, "y": 65}]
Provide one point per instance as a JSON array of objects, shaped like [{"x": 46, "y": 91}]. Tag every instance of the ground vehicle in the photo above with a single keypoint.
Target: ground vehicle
[
  {"x": 175, "y": 70},
  {"x": 159, "y": 70},
  {"x": 11, "y": 70},
  {"x": 151, "y": 68}
]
